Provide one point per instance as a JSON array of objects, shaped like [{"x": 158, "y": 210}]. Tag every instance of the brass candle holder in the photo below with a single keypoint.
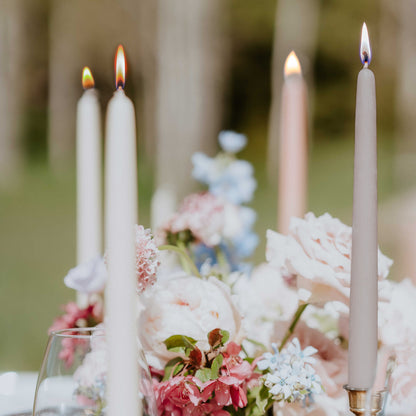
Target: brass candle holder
[{"x": 357, "y": 401}]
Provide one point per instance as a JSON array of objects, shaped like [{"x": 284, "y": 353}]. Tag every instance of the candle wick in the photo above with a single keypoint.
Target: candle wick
[{"x": 366, "y": 59}]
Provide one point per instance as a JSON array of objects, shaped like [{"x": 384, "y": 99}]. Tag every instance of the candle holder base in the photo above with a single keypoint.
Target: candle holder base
[{"x": 357, "y": 401}]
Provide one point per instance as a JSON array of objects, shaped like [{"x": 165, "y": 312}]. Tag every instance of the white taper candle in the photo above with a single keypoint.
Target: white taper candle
[
  {"x": 121, "y": 215},
  {"x": 88, "y": 156}
]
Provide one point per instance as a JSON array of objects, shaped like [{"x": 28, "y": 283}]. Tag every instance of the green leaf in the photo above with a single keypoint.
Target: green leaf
[
  {"x": 180, "y": 344},
  {"x": 204, "y": 374},
  {"x": 173, "y": 367},
  {"x": 225, "y": 336},
  {"x": 215, "y": 366},
  {"x": 261, "y": 397}
]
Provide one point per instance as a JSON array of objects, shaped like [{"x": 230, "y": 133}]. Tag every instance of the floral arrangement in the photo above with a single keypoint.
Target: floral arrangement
[{"x": 224, "y": 337}]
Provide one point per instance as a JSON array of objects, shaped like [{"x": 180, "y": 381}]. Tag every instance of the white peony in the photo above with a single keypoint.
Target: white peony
[
  {"x": 317, "y": 255},
  {"x": 264, "y": 298},
  {"x": 187, "y": 306},
  {"x": 88, "y": 277}
]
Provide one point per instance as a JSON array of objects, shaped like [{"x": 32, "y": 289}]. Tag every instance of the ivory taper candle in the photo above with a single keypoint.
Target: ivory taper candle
[
  {"x": 362, "y": 354},
  {"x": 121, "y": 216},
  {"x": 88, "y": 150},
  {"x": 293, "y": 160}
]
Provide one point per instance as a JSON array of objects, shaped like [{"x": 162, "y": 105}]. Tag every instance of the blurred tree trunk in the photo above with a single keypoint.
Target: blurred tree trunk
[
  {"x": 85, "y": 33},
  {"x": 296, "y": 29},
  {"x": 147, "y": 29},
  {"x": 406, "y": 92},
  {"x": 189, "y": 88},
  {"x": 63, "y": 55},
  {"x": 12, "y": 87}
]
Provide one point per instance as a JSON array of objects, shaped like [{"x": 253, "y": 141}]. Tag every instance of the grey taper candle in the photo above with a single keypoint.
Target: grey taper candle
[{"x": 362, "y": 354}]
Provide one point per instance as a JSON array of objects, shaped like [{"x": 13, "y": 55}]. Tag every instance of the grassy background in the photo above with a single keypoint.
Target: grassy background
[{"x": 37, "y": 239}]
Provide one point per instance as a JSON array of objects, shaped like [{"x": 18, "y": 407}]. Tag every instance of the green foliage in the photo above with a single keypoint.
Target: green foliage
[
  {"x": 204, "y": 374},
  {"x": 259, "y": 401},
  {"x": 173, "y": 367},
  {"x": 185, "y": 237},
  {"x": 180, "y": 344}
]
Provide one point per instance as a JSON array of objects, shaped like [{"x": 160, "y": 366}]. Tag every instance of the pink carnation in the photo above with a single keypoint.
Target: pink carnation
[
  {"x": 75, "y": 317},
  {"x": 174, "y": 395},
  {"x": 208, "y": 217},
  {"x": 147, "y": 258},
  {"x": 187, "y": 395},
  {"x": 236, "y": 375}
]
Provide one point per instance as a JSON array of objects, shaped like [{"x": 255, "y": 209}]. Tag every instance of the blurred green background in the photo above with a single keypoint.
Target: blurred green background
[{"x": 45, "y": 39}]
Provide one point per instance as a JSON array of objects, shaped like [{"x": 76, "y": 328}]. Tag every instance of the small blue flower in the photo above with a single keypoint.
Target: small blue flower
[
  {"x": 289, "y": 375},
  {"x": 204, "y": 254},
  {"x": 231, "y": 141},
  {"x": 236, "y": 184}
]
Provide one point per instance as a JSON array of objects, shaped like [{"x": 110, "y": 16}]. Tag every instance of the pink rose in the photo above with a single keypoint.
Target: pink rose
[
  {"x": 317, "y": 254},
  {"x": 397, "y": 318},
  {"x": 403, "y": 382},
  {"x": 263, "y": 298},
  {"x": 324, "y": 406}
]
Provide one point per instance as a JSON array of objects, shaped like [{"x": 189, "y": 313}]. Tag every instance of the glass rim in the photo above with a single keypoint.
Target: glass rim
[{"x": 69, "y": 332}]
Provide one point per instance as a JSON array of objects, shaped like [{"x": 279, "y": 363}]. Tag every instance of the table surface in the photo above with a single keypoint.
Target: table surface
[{"x": 17, "y": 390}]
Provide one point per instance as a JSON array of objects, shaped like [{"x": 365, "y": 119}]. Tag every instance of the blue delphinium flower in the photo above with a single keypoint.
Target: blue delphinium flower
[
  {"x": 204, "y": 254},
  {"x": 233, "y": 181},
  {"x": 236, "y": 184},
  {"x": 204, "y": 169},
  {"x": 247, "y": 244},
  {"x": 247, "y": 241},
  {"x": 226, "y": 176},
  {"x": 232, "y": 142}
]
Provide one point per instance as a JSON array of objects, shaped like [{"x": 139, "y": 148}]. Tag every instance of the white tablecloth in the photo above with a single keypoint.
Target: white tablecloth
[{"x": 17, "y": 391}]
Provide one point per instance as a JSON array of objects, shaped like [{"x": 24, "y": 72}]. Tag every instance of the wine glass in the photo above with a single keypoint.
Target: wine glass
[
  {"x": 72, "y": 379},
  {"x": 401, "y": 400}
]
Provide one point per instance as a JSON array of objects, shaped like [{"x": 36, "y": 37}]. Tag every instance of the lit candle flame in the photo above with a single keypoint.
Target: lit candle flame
[
  {"x": 292, "y": 65},
  {"x": 365, "y": 49},
  {"x": 120, "y": 68},
  {"x": 87, "y": 79}
]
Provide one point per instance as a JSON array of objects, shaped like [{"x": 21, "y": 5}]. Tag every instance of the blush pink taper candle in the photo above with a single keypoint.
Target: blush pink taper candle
[
  {"x": 293, "y": 160},
  {"x": 362, "y": 355}
]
